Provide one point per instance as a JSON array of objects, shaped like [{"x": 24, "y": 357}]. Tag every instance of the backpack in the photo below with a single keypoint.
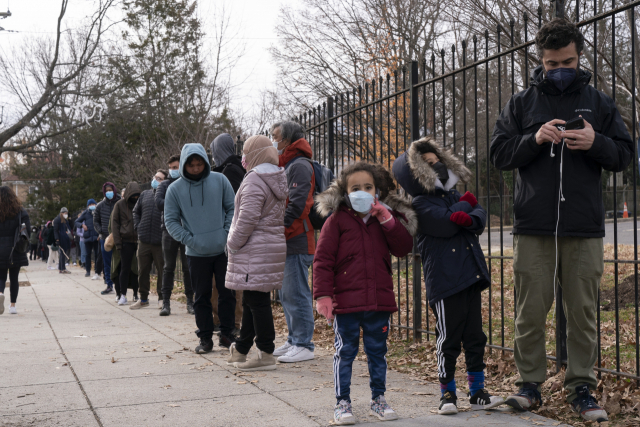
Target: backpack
[{"x": 324, "y": 178}]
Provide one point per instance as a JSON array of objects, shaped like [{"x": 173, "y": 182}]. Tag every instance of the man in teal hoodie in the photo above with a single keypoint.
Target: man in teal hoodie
[{"x": 198, "y": 210}]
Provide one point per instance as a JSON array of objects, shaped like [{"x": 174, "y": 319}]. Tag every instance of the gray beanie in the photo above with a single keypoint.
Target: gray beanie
[
  {"x": 64, "y": 210},
  {"x": 222, "y": 148}
]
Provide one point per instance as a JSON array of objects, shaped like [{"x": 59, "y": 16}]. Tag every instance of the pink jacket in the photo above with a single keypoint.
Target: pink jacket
[{"x": 256, "y": 244}]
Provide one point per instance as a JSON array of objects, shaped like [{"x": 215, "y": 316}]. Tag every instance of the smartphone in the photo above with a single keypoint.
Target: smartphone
[{"x": 573, "y": 124}]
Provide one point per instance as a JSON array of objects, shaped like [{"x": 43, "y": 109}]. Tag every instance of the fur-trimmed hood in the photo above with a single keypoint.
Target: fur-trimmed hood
[
  {"x": 330, "y": 200},
  {"x": 417, "y": 176}
]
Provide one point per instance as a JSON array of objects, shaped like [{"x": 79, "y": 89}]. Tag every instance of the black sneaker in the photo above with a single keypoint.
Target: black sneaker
[
  {"x": 226, "y": 341},
  {"x": 587, "y": 406},
  {"x": 135, "y": 297},
  {"x": 190, "y": 309},
  {"x": 107, "y": 291},
  {"x": 528, "y": 398},
  {"x": 448, "y": 404},
  {"x": 87, "y": 274},
  {"x": 206, "y": 345},
  {"x": 481, "y": 400},
  {"x": 166, "y": 309}
]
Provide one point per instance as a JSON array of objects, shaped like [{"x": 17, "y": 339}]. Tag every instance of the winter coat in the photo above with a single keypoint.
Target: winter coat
[
  {"x": 301, "y": 181},
  {"x": 102, "y": 214},
  {"x": 452, "y": 258},
  {"x": 33, "y": 240},
  {"x": 8, "y": 230},
  {"x": 352, "y": 263},
  {"x": 159, "y": 197},
  {"x": 60, "y": 229},
  {"x": 198, "y": 214},
  {"x": 147, "y": 219},
  {"x": 513, "y": 146},
  {"x": 233, "y": 170},
  {"x": 257, "y": 246},
  {"x": 50, "y": 237},
  {"x": 90, "y": 235},
  {"x": 115, "y": 267},
  {"x": 122, "y": 217}
]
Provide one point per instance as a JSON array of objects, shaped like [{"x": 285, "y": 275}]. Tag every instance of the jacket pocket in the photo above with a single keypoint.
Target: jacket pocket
[
  {"x": 212, "y": 242},
  {"x": 342, "y": 266},
  {"x": 388, "y": 264}
]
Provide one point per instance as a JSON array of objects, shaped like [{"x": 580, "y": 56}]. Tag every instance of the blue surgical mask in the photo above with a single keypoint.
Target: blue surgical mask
[
  {"x": 154, "y": 184},
  {"x": 361, "y": 201},
  {"x": 109, "y": 195},
  {"x": 92, "y": 207},
  {"x": 175, "y": 173},
  {"x": 562, "y": 77}
]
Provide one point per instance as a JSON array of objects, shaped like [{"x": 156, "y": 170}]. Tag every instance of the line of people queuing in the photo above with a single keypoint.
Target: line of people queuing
[{"x": 244, "y": 228}]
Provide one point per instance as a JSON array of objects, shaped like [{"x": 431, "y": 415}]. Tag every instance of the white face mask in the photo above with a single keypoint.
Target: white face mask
[
  {"x": 65, "y": 216},
  {"x": 361, "y": 201}
]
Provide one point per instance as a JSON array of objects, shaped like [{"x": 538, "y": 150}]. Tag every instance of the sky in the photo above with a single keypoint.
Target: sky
[{"x": 253, "y": 23}]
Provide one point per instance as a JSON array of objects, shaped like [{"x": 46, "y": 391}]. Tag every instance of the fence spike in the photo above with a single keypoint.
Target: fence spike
[
  {"x": 453, "y": 48},
  {"x": 525, "y": 17}
]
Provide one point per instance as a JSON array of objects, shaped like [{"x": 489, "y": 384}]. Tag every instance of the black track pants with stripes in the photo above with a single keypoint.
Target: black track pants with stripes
[{"x": 459, "y": 324}]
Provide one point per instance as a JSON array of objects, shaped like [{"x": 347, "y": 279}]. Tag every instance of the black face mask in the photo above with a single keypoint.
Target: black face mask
[
  {"x": 441, "y": 170},
  {"x": 194, "y": 177}
]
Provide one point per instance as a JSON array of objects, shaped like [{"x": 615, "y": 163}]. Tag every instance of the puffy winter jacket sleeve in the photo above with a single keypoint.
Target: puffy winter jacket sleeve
[
  {"x": 479, "y": 217},
  {"x": 434, "y": 220},
  {"x": 161, "y": 193},
  {"x": 97, "y": 218},
  {"x": 299, "y": 179},
  {"x": 510, "y": 149},
  {"x": 115, "y": 224},
  {"x": 228, "y": 203},
  {"x": 137, "y": 210},
  {"x": 249, "y": 213},
  {"x": 612, "y": 147},
  {"x": 325, "y": 259},
  {"x": 398, "y": 238}
]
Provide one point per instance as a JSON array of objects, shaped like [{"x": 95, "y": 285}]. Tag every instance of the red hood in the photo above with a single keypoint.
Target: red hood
[{"x": 299, "y": 148}]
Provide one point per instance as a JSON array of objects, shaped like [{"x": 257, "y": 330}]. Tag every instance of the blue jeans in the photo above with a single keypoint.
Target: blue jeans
[
  {"x": 106, "y": 259},
  {"x": 296, "y": 300},
  {"x": 375, "y": 330},
  {"x": 83, "y": 252}
]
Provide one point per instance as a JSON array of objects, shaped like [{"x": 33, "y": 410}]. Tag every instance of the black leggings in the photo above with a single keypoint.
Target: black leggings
[
  {"x": 33, "y": 254},
  {"x": 126, "y": 258},
  {"x": 13, "y": 279}
]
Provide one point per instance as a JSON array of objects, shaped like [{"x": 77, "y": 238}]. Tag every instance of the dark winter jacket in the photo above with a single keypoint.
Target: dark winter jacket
[
  {"x": 300, "y": 178},
  {"x": 91, "y": 235},
  {"x": 50, "y": 236},
  {"x": 513, "y": 146},
  {"x": 60, "y": 229},
  {"x": 147, "y": 219},
  {"x": 8, "y": 230},
  {"x": 102, "y": 214},
  {"x": 122, "y": 217},
  {"x": 352, "y": 263},
  {"x": 233, "y": 170},
  {"x": 161, "y": 192},
  {"x": 451, "y": 254}
]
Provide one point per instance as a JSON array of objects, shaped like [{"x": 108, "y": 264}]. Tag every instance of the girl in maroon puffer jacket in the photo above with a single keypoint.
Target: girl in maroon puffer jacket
[{"x": 352, "y": 276}]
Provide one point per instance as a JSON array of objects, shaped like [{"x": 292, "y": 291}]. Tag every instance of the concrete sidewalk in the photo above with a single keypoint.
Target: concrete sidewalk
[{"x": 72, "y": 357}]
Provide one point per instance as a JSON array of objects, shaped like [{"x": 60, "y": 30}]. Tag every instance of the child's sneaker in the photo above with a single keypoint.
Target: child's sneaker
[
  {"x": 448, "y": 404},
  {"x": 483, "y": 400},
  {"x": 382, "y": 410},
  {"x": 587, "y": 406},
  {"x": 343, "y": 414},
  {"x": 526, "y": 399}
]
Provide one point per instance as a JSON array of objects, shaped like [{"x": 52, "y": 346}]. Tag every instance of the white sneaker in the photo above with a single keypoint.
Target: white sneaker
[
  {"x": 283, "y": 349},
  {"x": 296, "y": 354},
  {"x": 51, "y": 268},
  {"x": 75, "y": 263},
  {"x": 95, "y": 277},
  {"x": 1, "y": 303},
  {"x": 12, "y": 310},
  {"x": 123, "y": 300}
]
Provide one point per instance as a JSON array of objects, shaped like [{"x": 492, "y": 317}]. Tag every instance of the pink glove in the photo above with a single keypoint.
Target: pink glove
[
  {"x": 384, "y": 216},
  {"x": 324, "y": 306}
]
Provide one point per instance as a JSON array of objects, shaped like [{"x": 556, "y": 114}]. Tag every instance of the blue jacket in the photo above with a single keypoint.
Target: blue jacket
[
  {"x": 451, "y": 254},
  {"x": 198, "y": 214},
  {"x": 91, "y": 235}
]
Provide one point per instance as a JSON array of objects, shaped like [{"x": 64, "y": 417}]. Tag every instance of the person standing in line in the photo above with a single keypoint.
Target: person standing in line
[
  {"x": 90, "y": 239},
  {"x": 147, "y": 221},
  {"x": 12, "y": 216},
  {"x": 171, "y": 248},
  {"x": 80, "y": 238},
  {"x": 33, "y": 245},
  {"x": 101, "y": 219},
  {"x": 63, "y": 236},
  {"x": 50, "y": 239},
  {"x": 295, "y": 295},
  {"x": 198, "y": 212},
  {"x": 257, "y": 251},
  {"x": 223, "y": 152},
  {"x": 42, "y": 243},
  {"x": 125, "y": 237}
]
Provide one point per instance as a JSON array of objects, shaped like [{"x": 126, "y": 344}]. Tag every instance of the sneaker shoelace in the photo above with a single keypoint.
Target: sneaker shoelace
[
  {"x": 380, "y": 405},
  {"x": 530, "y": 393},
  {"x": 587, "y": 402},
  {"x": 342, "y": 408}
]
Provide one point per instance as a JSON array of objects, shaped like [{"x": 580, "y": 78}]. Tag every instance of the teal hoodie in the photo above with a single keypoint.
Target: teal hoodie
[{"x": 198, "y": 213}]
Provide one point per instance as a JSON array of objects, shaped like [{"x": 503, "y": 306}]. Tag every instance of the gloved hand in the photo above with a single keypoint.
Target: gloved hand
[
  {"x": 461, "y": 218},
  {"x": 324, "y": 306},
  {"x": 469, "y": 197},
  {"x": 382, "y": 214}
]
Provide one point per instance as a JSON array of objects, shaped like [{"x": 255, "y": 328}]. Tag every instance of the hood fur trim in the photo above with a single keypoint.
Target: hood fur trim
[
  {"x": 330, "y": 201},
  {"x": 423, "y": 171}
]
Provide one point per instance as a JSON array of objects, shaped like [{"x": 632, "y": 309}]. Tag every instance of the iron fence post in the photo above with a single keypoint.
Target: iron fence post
[
  {"x": 414, "y": 123},
  {"x": 561, "y": 331},
  {"x": 330, "y": 134},
  {"x": 558, "y": 8}
]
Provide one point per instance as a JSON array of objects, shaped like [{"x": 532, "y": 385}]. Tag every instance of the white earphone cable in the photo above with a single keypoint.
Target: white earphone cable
[{"x": 560, "y": 200}]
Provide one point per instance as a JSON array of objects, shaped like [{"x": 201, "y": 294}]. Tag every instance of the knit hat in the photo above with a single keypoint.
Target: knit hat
[
  {"x": 64, "y": 210},
  {"x": 222, "y": 148},
  {"x": 91, "y": 202},
  {"x": 258, "y": 149}
]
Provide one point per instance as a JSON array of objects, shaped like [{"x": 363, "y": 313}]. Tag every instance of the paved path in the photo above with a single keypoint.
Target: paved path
[{"x": 72, "y": 357}]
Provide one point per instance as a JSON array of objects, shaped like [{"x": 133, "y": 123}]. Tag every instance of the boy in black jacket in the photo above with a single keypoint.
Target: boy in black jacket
[{"x": 454, "y": 266}]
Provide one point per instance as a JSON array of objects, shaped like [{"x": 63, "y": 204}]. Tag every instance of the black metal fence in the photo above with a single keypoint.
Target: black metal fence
[{"x": 456, "y": 98}]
